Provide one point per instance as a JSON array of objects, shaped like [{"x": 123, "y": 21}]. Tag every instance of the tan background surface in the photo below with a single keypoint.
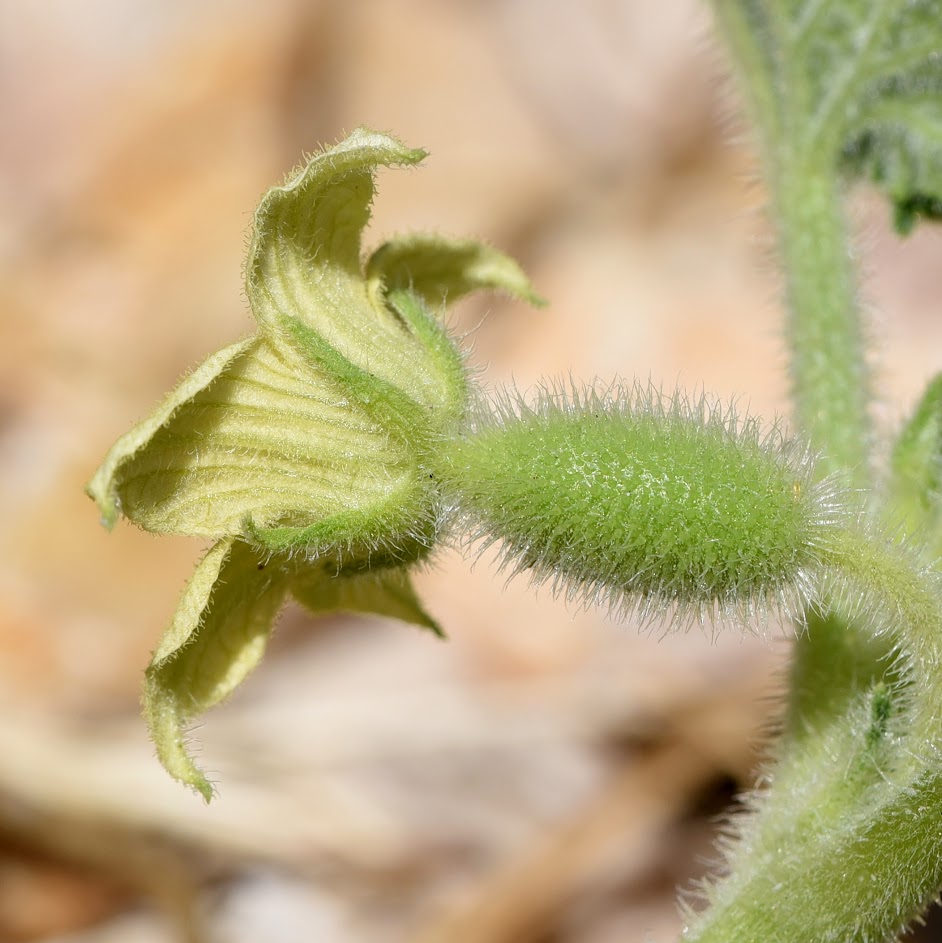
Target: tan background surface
[{"x": 545, "y": 776}]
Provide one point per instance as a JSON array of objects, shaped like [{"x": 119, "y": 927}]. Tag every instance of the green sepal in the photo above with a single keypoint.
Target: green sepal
[
  {"x": 416, "y": 276},
  {"x": 455, "y": 390},
  {"x": 916, "y": 462},
  {"x": 217, "y": 636},
  {"x": 248, "y": 436},
  {"x": 441, "y": 270},
  {"x": 105, "y": 487},
  {"x": 387, "y": 592},
  {"x": 385, "y": 402},
  {"x": 400, "y": 530}
]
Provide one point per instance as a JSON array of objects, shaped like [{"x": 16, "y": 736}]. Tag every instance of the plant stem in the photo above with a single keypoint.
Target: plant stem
[
  {"x": 832, "y": 662},
  {"x": 850, "y": 850},
  {"x": 830, "y": 379}
]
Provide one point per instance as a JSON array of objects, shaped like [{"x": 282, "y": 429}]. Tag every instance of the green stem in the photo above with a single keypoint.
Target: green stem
[
  {"x": 833, "y": 662},
  {"x": 845, "y": 846},
  {"x": 830, "y": 379},
  {"x": 850, "y": 850},
  {"x": 829, "y": 375}
]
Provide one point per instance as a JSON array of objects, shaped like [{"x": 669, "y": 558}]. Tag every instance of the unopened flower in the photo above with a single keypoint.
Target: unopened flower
[{"x": 307, "y": 451}]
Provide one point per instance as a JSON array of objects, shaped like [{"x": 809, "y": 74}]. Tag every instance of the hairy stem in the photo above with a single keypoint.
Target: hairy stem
[
  {"x": 837, "y": 665},
  {"x": 829, "y": 373},
  {"x": 833, "y": 662},
  {"x": 850, "y": 850}
]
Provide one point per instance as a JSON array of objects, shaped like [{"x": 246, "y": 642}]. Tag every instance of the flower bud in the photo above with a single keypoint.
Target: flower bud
[{"x": 304, "y": 452}]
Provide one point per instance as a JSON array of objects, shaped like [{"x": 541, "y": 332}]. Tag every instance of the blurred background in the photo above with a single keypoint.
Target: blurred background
[{"x": 548, "y": 776}]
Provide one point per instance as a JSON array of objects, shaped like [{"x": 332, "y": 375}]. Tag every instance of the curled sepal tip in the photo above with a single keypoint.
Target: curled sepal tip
[
  {"x": 105, "y": 487},
  {"x": 304, "y": 276}
]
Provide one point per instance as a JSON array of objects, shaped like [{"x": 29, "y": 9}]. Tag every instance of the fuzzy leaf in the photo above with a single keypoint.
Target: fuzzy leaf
[
  {"x": 916, "y": 480},
  {"x": 897, "y": 141},
  {"x": 851, "y": 83},
  {"x": 386, "y": 592},
  {"x": 217, "y": 636},
  {"x": 441, "y": 270},
  {"x": 255, "y": 440}
]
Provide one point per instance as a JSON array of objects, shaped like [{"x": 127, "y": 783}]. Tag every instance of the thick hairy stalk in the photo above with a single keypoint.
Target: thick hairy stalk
[
  {"x": 647, "y": 501},
  {"x": 851, "y": 850},
  {"x": 830, "y": 382}
]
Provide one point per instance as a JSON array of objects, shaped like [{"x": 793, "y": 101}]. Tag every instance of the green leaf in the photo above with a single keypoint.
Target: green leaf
[
  {"x": 848, "y": 84},
  {"x": 386, "y": 592},
  {"x": 916, "y": 465},
  {"x": 899, "y": 146},
  {"x": 217, "y": 636},
  {"x": 440, "y": 270},
  {"x": 249, "y": 442}
]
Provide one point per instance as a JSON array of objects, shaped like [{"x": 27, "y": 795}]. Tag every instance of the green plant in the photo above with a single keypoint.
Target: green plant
[{"x": 337, "y": 447}]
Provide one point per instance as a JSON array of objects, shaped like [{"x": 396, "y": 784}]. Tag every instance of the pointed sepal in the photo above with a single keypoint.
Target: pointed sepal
[
  {"x": 217, "y": 636},
  {"x": 441, "y": 270},
  {"x": 387, "y": 593}
]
